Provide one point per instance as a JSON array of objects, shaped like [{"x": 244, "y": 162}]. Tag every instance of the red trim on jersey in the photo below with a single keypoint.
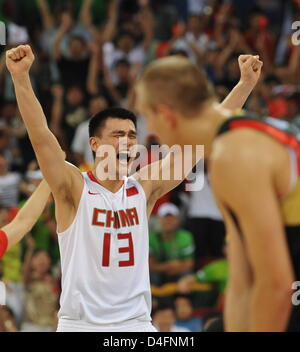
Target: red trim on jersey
[
  {"x": 93, "y": 178},
  {"x": 3, "y": 243},
  {"x": 131, "y": 191},
  {"x": 281, "y": 136}
]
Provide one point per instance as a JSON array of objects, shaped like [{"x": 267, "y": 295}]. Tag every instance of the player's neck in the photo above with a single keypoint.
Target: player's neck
[
  {"x": 111, "y": 185},
  {"x": 202, "y": 129}
]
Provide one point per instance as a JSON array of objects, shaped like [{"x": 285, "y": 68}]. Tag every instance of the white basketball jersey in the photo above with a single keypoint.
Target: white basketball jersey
[{"x": 104, "y": 256}]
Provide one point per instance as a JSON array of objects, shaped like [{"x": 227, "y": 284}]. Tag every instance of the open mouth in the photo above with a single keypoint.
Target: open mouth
[{"x": 124, "y": 156}]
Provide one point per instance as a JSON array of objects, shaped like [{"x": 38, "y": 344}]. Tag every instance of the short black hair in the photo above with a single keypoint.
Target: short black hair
[
  {"x": 122, "y": 62},
  {"x": 164, "y": 305},
  {"x": 98, "y": 120}
]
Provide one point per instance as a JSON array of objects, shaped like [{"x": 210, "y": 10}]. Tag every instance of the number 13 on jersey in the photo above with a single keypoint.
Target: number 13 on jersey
[{"x": 129, "y": 249}]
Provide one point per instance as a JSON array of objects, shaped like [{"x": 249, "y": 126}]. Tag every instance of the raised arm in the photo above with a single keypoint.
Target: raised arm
[
  {"x": 47, "y": 18},
  {"x": 110, "y": 28},
  {"x": 28, "y": 215},
  {"x": 60, "y": 176},
  {"x": 66, "y": 24},
  {"x": 250, "y": 67}
]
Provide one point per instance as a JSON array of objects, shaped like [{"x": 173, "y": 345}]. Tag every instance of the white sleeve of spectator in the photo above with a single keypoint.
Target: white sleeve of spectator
[
  {"x": 108, "y": 54},
  {"x": 79, "y": 141},
  {"x": 137, "y": 55}
]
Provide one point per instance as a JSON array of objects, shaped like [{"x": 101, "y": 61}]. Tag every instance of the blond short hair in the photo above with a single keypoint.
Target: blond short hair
[{"x": 177, "y": 82}]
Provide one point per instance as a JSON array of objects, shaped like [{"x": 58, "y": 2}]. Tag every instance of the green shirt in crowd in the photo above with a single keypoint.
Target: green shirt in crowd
[
  {"x": 214, "y": 272},
  {"x": 181, "y": 246}
]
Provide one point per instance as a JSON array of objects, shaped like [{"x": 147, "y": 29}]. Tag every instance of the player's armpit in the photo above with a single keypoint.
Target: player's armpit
[
  {"x": 243, "y": 181},
  {"x": 162, "y": 176}
]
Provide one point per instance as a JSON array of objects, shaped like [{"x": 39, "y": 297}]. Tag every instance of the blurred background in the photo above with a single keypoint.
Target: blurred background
[{"x": 89, "y": 54}]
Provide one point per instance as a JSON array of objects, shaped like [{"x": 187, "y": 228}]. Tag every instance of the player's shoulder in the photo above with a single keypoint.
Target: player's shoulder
[{"x": 246, "y": 147}]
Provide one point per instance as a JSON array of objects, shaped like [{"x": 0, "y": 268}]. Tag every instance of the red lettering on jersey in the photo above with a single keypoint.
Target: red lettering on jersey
[
  {"x": 133, "y": 216},
  {"x": 112, "y": 218},
  {"x": 96, "y": 213},
  {"x": 117, "y": 220},
  {"x": 131, "y": 191},
  {"x": 129, "y": 249},
  {"x": 106, "y": 249},
  {"x": 124, "y": 219}
]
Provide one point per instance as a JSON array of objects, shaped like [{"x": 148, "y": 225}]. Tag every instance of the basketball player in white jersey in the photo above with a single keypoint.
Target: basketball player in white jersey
[
  {"x": 102, "y": 225},
  {"x": 27, "y": 216}
]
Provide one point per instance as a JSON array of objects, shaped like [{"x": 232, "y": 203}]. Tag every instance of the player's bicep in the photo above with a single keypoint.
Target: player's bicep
[{"x": 158, "y": 178}]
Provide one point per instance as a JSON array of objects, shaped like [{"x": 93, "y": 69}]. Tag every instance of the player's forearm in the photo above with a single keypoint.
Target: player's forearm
[
  {"x": 30, "y": 108},
  {"x": 269, "y": 308},
  {"x": 28, "y": 215},
  {"x": 238, "y": 96}
]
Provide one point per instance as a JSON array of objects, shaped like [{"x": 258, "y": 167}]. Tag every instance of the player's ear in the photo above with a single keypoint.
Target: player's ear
[
  {"x": 168, "y": 116},
  {"x": 94, "y": 144}
]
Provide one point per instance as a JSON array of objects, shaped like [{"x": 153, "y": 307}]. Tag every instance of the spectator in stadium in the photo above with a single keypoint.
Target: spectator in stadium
[
  {"x": 119, "y": 91},
  {"x": 185, "y": 314},
  {"x": 41, "y": 291},
  {"x": 164, "y": 318},
  {"x": 7, "y": 320},
  {"x": 205, "y": 222},
  {"x": 123, "y": 44},
  {"x": 215, "y": 272},
  {"x": 12, "y": 270},
  {"x": 195, "y": 41},
  {"x": 171, "y": 249},
  {"x": 73, "y": 65},
  {"x": 67, "y": 114},
  {"x": 9, "y": 185},
  {"x": 80, "y": 145}
]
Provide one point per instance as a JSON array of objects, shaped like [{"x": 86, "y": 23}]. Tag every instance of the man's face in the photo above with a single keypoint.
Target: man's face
[
  {"x": 157, "y": 121},
  {"x": 169, "y": 223},
  {"x": 74, "y": 96},
  {"x": 184, "y": 309},
  {"x": 126, "y": 43},
  {"x": 41, "y": 262},
  {"x": 123, "y": 72},
  {"x": 121, "y": 136},
  {"x": 164, "y": 320},
  {"x": 96, "y": 105},
  {"x": 194, "y": 23},
  {"x": 77, "y": 48}
]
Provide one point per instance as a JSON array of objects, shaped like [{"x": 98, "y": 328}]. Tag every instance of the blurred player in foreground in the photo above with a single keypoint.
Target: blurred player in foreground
[{"x": 254, "y": 168}]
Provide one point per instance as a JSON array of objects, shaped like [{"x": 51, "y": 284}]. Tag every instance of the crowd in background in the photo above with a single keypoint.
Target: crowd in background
[{"x": 89, "y": 54}]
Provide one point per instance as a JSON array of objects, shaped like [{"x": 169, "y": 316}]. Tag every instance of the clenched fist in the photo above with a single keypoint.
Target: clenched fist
[
  {"x": 19, "y": 60},
  {"x": 250, "y": 67}
]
